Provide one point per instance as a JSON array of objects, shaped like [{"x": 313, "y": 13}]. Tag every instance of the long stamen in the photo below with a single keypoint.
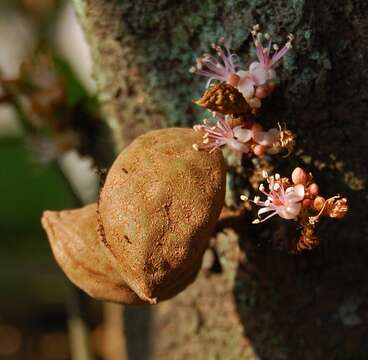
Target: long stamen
[
  {"x": 314, "y": 219},
  {"x": 216, "y": 68},
  {"x": 281, "y": 53},
  {"x": 259, "y": 221}
]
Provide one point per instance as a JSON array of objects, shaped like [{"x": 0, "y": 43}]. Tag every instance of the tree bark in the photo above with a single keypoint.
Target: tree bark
[{"x": 267, "y": 305}]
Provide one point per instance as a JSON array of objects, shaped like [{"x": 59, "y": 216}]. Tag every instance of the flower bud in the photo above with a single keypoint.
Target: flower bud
[
  {"x": 299, "y": 176},
  {"x": 256, "y": 128},
  {"x": 255, "y": 103},
  {"x": 261, "y": 92},
  {"x": 259, "y": 150},
  {"x": 318, "y": 202},
  {"x": 313, "y": 189},
  {"x": 307, "y": 203}
]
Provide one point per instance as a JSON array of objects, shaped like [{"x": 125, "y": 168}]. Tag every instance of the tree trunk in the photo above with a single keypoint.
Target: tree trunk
[{"x": 252, "y": 302}]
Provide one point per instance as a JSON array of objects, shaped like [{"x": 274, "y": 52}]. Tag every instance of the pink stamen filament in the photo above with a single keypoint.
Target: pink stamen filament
[
  {"x": 278, "y": 55},
  {"x": 263, "y": 54}
]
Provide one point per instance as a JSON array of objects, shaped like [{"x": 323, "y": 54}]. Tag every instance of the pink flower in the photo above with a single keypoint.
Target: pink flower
[
  {"x": 262, "y": 71},
  {"x": 238, "y": 139},
  {"x": 280, "y": 201},
  {"x": 222, "y": 68},
  {"x": 222, "y": 134},
  {"x": 246, "y": 84}
]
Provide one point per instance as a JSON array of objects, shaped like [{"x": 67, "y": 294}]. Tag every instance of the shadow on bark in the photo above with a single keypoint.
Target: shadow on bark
[{"x": 309, "y": 306}]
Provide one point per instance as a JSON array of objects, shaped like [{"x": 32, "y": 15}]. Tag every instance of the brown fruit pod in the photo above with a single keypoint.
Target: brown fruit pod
[{"x": 156, "y": 213}]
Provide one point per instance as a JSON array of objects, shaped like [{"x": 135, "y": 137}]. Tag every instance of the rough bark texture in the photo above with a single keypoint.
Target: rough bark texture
[{"x": 312, "y": 306}]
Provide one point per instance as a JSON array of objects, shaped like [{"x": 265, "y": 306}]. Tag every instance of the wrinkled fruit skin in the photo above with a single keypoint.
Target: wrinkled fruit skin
[
  {"x": 225, "y": 99},
  {"x": 144, "y": 240}
]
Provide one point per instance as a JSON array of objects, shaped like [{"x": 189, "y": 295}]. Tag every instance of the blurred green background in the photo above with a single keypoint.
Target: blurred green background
[
  {"x": 33, "y": 288},
  {"x": 45, "y": 164}
]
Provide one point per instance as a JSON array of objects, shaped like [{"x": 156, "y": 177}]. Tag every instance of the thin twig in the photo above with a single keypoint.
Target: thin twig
[
  {"x": 78, "y": 331},
  {"x": 114, "y": 339}
]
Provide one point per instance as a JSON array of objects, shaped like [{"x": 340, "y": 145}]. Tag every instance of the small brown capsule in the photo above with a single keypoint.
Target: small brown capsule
[
  {"x": 225, "y": 99},
  {"x": 338, "y": 209}
]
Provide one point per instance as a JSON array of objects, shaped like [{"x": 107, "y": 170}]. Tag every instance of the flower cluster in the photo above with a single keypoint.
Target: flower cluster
[
  {"x": 236, "y": 97},
  {"x": 257, "y": 82},
  {"x": 297, "y": 199},
  {"x": 245, "y": 138}
]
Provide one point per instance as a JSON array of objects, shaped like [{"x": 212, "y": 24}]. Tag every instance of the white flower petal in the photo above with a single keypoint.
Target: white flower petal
[
  {"x": 242, "y": 74},
  {"x": 243, "y": 135},
  {"x": 267, "y": 138},
  {"x": 295, "y": 193},
  {"x": 246, "y": 84},
  {"x": 237, "y": 146},
  {"x": 299, "y": 190},
  {"x": 254, "y": 65},
  {"x": 259, "y": 74},
  {"x": 290, "y": 211},
  {"x": 293, "y": 209}
]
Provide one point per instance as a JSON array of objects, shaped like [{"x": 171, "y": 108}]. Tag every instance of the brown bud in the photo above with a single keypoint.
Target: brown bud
[
  {"x": 157, "y": 210},
  {"x": 225, "y": 99},
  {"x": 287, "y": 140}
]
